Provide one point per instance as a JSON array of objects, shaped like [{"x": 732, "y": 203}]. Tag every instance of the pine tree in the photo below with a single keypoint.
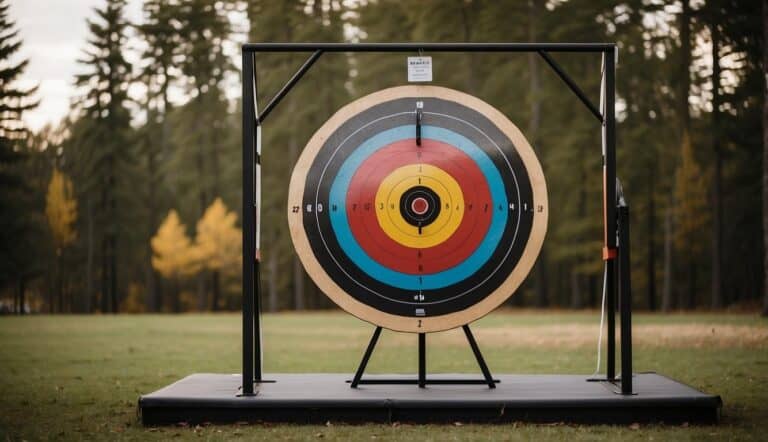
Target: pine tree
[
  {"x": 18, "y": 229},
  {"x": 105, "y": 83},
  {"x": 765, "y": 157},
  {"x": 205, "y": 29},
  {"x": 161, "y": 34},
  {"x": 690, "y": 214}
]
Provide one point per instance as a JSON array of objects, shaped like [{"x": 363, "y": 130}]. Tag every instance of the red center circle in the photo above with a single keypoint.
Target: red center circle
[{"x": 419, "y": 206}]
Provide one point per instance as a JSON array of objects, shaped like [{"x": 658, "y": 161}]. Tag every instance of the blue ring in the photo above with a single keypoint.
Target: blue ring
[{"x": 406, "y": 281}]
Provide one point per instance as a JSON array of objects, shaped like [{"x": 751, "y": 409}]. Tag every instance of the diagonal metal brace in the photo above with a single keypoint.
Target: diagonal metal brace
[
  {"x": 572, "y": 85},
  {"x": 288, "y": 86}
]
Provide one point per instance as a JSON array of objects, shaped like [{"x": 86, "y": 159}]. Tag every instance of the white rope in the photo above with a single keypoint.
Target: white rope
[{"x": 602, "y": 319}]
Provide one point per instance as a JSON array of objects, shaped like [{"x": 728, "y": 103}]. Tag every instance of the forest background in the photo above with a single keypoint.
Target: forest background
[{"x": 132, "y": 202}]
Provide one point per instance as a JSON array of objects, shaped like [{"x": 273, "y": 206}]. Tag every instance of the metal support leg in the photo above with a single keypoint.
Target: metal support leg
[
  {"x": 610, "y": 309},
  {"x": 366, "y": 357},
  {"x": 479, "y": 356},
  {"x": 625, "y": 301},
  {"x": 249, "y": 231},
  {"x": 422, "y": 360}
]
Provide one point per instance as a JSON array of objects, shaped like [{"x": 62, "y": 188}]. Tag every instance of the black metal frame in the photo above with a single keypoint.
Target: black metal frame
[{"x": 253, "y": 121}]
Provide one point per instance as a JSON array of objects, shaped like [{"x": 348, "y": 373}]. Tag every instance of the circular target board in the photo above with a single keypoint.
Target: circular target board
[{"x": 418, "y": 208}]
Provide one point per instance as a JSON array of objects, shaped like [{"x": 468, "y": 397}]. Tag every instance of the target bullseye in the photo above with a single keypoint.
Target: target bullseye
[
  {"x": 418, "y": 237},
  {"x": 419, "y": 205}
]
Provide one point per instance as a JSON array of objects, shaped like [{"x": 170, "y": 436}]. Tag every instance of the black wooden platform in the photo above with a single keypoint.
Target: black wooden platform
[{"x": 318, "y": 398}]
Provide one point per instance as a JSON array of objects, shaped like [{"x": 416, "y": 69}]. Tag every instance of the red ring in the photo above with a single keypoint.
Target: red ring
[{"x": 379, "y": 246}]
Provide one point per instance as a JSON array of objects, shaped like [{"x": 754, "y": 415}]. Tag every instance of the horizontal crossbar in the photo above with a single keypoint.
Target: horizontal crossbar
[{"x": 432, "y": 47}]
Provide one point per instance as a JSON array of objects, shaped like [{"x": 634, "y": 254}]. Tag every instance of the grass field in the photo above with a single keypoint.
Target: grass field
[{"x": 79, "y": 377}]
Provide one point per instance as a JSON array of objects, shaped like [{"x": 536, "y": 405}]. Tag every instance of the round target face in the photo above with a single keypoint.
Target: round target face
[{"x": 418, "y": 208}]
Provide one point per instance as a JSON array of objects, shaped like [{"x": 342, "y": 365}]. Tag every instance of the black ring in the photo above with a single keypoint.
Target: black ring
[{"x": 433, "y": 207}]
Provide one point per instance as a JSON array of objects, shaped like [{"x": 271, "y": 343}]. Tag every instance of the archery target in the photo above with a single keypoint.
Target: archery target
[{"x": 411, "y": 236}]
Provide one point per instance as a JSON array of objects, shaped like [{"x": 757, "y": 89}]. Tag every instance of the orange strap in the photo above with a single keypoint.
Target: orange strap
[{"x": 608, "y": 253}]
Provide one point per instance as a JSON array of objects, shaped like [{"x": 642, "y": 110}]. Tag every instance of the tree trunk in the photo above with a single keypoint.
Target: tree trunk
[
  {"x": 651, "y": 242},
  {"x": 683, "y": 111},
  {"x": 176, "y": 296},
  {"x": 691, "y": 283},
  {"x": 59, "y": 283},
  {"x": 202, "y": 291},
  {"x": 765, "y": 157},
  {"x": 717, "y": 191},
  {"x": 298, "y": 284},
  {"x": 215, "y": 193},
  {"x": 272, "y": 282},
  {"x": 200, "y": 165},
  {"x": 16, "y": 298},
  {"x": 113, "y": 236},
  {"x": 89, "y": 295},
  {"x": 216, "y": 283},
  {"x": 667, "y": 301},
  {"x": 149, "y": 271},
  {"x": 22, "y": 295},
  {"x": 576, "y": 299},
  {"x": 104, "y": 261}
]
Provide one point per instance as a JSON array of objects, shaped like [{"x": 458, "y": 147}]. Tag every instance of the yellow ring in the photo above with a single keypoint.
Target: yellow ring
[
  {"x": 395, "y": 195},
  {"x": 403, "y": 178}
]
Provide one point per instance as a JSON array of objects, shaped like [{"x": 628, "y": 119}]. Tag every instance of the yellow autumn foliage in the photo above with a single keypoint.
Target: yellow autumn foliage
[
  {"x": 174, "y": 255},
  {"x": 219, "y": 240},
  {"x": 61, "y": 210}
]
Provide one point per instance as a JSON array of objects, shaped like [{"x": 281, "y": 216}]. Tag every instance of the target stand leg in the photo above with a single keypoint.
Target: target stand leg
[
  {"x": 422, "y": 381},
  {"x": 479, "y": 356},
  {"x": 366, "y": 357}
]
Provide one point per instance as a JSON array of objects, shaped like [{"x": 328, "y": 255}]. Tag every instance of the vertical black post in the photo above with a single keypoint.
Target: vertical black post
[
  {"x": 609, "y": 129},
  {"x": 257, "y": 374},
  {"x": 610, "y": 310},
  {"x": 422, "y": 360},
  {"x": 366, "y": 357},
  {"x": 609, "y": 200},
  {"x": 625, "y": 301},
  {"x": 249, "y": 231}
]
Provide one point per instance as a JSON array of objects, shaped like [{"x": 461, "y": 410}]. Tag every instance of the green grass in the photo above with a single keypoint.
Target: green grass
[{"x": 78, "y": 377}]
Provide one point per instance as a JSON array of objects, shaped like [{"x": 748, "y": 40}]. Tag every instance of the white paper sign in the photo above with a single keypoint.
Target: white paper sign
[{"x": 419, "y": 69}]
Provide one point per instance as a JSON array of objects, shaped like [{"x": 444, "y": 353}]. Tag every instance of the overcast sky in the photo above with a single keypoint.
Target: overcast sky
[{"x": 54, "y": 33}]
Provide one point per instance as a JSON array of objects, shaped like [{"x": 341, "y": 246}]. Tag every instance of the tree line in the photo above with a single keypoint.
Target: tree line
[{"x": 132, "y": 202}]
